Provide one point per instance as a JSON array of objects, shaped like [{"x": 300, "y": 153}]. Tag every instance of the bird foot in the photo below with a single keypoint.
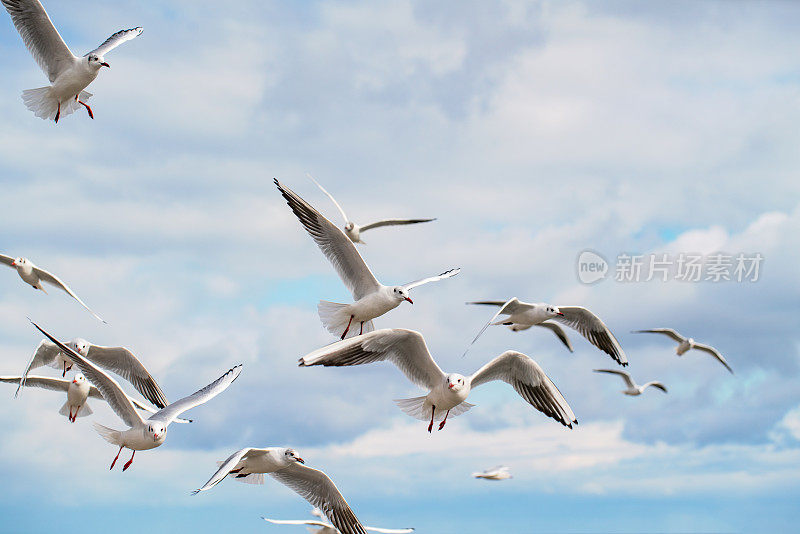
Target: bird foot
[
  {"x": 88, "y": 109},
  {"x": 346, "y": 330},
  {"x": 58, "y": 113},
  {"x": 129, "y": 462}
]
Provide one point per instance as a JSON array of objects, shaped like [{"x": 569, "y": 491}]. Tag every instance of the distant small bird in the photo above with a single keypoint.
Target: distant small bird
[
  {"x": 448, "y": 391},
  {"x": 686, "y": 344},
  {"x": 34, "y": 276},
  {"x": 633, "y": 390},
  {"x": 496, "y": 473},
  {"x": 353, "y": 231},
  {"x": 372, "y": 299},
  {"x": 522, "y": 315},
  {"x": 250, "y": 464},
  {"x": 118, "y": 360},
  {"x": 68, "y": 74},
  {"x": 78, "y": 391},
  {"x": 327, "y": 528},
  {"x": 142, "y": 434}
]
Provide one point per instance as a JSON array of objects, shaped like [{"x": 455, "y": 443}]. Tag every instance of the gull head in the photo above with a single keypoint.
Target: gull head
[
  {"x": 156, "y": 430},
  {"x": 290, "y": 455},
  {"x": 553, "y": 311},
  {"x": 19, "y": 262},
  {"x": 455, "y": 382},
  {"x": 401, "y": 293},
  {"x": 349, "y": 226},
  {"x": 79, "y": 379},
  {"x": 96, "y": 61},
  {"x": 79, "y": 345}
]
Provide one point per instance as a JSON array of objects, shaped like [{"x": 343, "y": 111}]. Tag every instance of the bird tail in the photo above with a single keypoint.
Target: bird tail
[
  {"x": 418, "y": 408},
  {"x": 64, "y": 409},
  {"x": 108, "y": 434},
  {"x": 82, "y": 412},
  {"x": 44, "y": 103},
  {"x": 335, "y": 318}
]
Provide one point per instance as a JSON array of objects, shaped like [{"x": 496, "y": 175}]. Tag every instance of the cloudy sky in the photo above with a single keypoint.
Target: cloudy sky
[{"x": 533, "y": 131}]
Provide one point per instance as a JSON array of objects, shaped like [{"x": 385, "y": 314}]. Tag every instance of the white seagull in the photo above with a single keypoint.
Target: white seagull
[
  {"x": 327, "y": 528},
  {"x": 142, "y": 434},
  {"x": 68, "y": 74},
  {"x": 685, "y": 344},
  {"x": 633, "y": 390},
  {"x": 353, "y": 231},
  {"x": 447, "y": 391},
  {"x": 78, "y": 391},
  {"x": 496, "y": 473},
  {"x": 372, "y": 299},
  {"x": 250, "y": 464},
  {"x": 521, "y": 315},
  {"x": 118, "y": 360},
  {"x": 34, "y": 276}
]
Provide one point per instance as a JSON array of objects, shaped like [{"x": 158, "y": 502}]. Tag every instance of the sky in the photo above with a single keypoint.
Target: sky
[{"x": 532, "y": 131}]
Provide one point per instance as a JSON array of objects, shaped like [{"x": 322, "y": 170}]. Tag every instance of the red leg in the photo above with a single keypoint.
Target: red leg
[
  {"x": 441, "y": 425},
  {"x": 91, "y": 115},
  {"x": 348, "y": 327},
  {"x": 69, "y": 417},
  {"x": 58, "y": 113},
  {"x": 115, "y": 458},
  {"x": 362, "y": 329},
  {"x": 129, "y": 462},
  {"x": 64, "y": 373},
  {"x": 433, "y": 412}
]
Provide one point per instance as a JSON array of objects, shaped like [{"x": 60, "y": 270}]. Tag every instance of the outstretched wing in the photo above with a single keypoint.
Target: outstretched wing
[
  {"x": 338, "y": 207},
  {"x": 557, "y": 330},
  {"x": 669, "y": 332},
  {"x": 657, "y": 385},
  {"x": 446, "y": 274},
  {"x": 227, "y": 466},
  {"x": 45, "y": 354},
  {"x": 509, "y": 307},
  {"x": 336, "y": 246},
  {"x": 392, "y": 222},
  {"x": 6, "y": 260},
  {"x": 625, "y": 376},
  {"x": 310, "y": 522},
  {"x": 122, "y": 362},
  {"x": 115, "y": 40},
  {"x": 43, "y": 382},
  {"x": 404, "y": 348},
  {"x": 593, "y": 329},
  {"x": 171, "y": 411},
  {"x": 40, "y": 36},
  {"x": 714, "y": 352},
  {"x": 530, "y": 381},
  {"x": 56, "y": 281},
  {"x": 318, "y": 489}
]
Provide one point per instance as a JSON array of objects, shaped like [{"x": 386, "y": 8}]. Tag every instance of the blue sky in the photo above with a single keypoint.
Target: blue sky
[{"x": 532, "y": 131}]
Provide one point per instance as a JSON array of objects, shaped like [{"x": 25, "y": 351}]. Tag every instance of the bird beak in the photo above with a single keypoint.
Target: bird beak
[
  {"x": 13, "y": 264},
  {"x": 301, "y": 460},
  {"x": 409, "y": 300},
  {"x": 451, "y": 386},
  {"x": 104, "y": 64},
  {"x": 561, "y": 314},
  {"x": 74, "y": 381}
]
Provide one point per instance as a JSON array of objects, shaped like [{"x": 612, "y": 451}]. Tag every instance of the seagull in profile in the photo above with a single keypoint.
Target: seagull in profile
[
  {"x": 353, "y": 231},
  {"x": 686, "y": 343},
  {"x": 34, "y": 276},
  {"x": 447, "y": 391},
  {"x": 283, "y": 464},
  {"x": 78, "y": 391},
  {"x": 327, "y": 528},
  {"x": 496, "y": 473},
  {"x": 118, "y": 360},
  {"x": 633, "y": 390},
  {"x": 372, "y": 299},
  {"x": 142, "y": 434},
  {"x": 69, "y": 75},
  {"x": 522, "y": 315}
]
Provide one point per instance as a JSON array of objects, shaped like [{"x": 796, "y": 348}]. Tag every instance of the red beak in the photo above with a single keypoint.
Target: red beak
[
  {"x": 74, "y": 381},
  {"x": 451, "y": 386},
  {"x": 104, "y": 64},
  {"x": 561, "y": 314},
  {"x": 409, "y": 300},
  {"x": 13, "y": 264},
  {"x": 301, "y": 460}
]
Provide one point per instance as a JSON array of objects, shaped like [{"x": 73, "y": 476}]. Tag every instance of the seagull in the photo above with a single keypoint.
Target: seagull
[
  {"x": 78, "y": 391},
  {"x": 686, "y": 344},
  {"x": 447, "y": 391},
  {"x": 250, "y": 464},
  {"x": 118, "y": 360},
  {"x": 496, "y": 473},
  {"x": 68, "y": 74},
  {"x": 34, "y": 276},
  {"x": 353, "y": 231},
  {"x": 372, "y": 299},
  {"x": 142, "y": 434},
  {"x": 327, "y": 528},
  {"x": 633, "y": 390},
  {"x": 521, "y": 315}
]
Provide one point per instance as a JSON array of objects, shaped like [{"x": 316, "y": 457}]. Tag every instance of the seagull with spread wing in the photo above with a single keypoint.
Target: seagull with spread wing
[
  {"x": 69, "y": 75},
  {"x": 142, "y": 434},
  {"x": 372, "y": 299},
  {"x": 353, "y": 231},
  {"x": 686, "y": 343},
  {"x": 34, "y": 276},
  {"x": 283, "y": 464},
  {"x": 118, "y": 360},
  {"x": 447, "y": 391},
  {"x": 326, "y": 528},
  {"x": 501, "y": 472},
  {"x": 522, "y": 315},
  {"x": 633, "y": 389},
  {"x": 78, "y": 391}
]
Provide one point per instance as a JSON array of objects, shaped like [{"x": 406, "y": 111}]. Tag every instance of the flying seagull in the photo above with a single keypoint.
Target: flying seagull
[
  {"x": 633, "y": 390},
  {"x": 353, "y": 231},
  {"x": 372, "y": 299},
  {"x": 327, "y": 528},
  {"x": 447, "y": 391},
  {"x": 685, "y": 344},
  {"x": 118, "y": 360},
  {"x": 142, "y": 434},
  {"x": 34, "y": 276},
  {"x": 521, "y": 314},
  {"x": 250, "y": 464},
  {"x": 78, "y": 391},
  {"x": 496, "y": 473},
  {"x": 69, "y": 75}
]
